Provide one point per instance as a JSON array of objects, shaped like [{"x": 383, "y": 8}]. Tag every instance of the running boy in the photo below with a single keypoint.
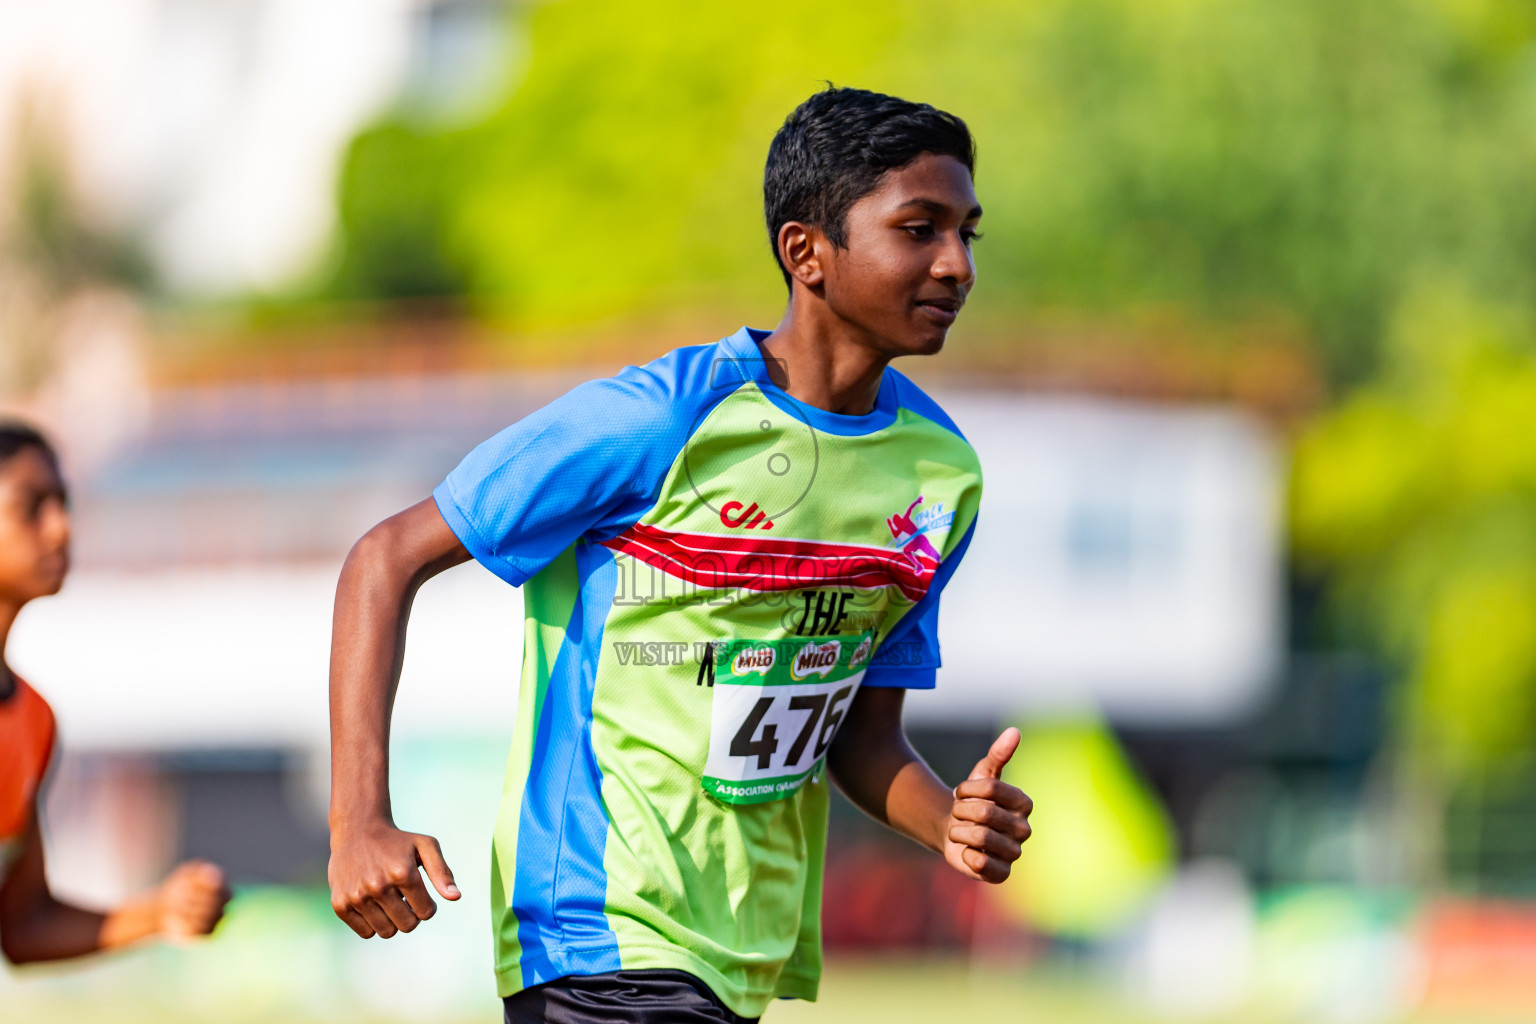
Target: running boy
[
  {"x": 34, "y": 557},
  {"x": 731, "y": 560}
]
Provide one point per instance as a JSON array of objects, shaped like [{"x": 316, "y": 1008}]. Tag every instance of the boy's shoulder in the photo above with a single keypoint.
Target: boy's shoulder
[
  {"x": 668, "y": 387},
  {"x": 916, "y": 400},
  {"x": 678, "y": 372}
]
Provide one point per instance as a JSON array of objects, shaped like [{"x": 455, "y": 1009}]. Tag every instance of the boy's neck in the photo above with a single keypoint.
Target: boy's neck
[{"x": 823, "y": 362}]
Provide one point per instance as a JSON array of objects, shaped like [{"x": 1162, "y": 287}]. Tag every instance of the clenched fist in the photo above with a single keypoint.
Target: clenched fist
[
  {"x": 191, "y": 900},
  {"x": 375, "y": 876}
]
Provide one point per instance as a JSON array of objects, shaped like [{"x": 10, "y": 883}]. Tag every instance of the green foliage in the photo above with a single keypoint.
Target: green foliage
[
  {"x": 394, "y": 207},
  {"x": 1419, "y": 493},
  {"x": 1308, "y": 159}
]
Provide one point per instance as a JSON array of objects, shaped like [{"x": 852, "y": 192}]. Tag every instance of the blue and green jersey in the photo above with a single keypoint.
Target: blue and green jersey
[{"x": 711, "y": 570}]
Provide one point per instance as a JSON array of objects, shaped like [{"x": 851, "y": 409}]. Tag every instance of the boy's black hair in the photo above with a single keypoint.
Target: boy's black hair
[
  {"x": 16, "y": 437},
  {"x": 833, "y": 149}
]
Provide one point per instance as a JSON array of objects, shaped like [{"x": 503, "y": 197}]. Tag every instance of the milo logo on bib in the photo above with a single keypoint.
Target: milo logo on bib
[
  {"x": 754, "y": 659},
  {"x": 816, "y": 659},
  {"x": 776, "y": 711}
]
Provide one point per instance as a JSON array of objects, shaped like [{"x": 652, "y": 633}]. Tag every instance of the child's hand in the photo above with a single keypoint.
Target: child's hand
[
  {"x": 990, "y": 819},
  {"x": 375, "y": 876},
  {"x": 191, "y": 900}
]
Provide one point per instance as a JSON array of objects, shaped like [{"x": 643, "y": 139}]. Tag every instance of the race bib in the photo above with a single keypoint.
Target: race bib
[{"x": 777, "y": 706}]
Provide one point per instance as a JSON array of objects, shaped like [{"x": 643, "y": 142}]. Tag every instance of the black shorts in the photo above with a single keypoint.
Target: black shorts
[{"x": 621, "y": 997}]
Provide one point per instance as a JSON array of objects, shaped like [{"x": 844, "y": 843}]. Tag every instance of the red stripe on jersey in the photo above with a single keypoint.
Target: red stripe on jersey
[{"x": 762, "y": 563}]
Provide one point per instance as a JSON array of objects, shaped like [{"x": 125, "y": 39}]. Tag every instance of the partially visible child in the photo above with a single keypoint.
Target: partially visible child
[{"x": 34, "y": 558}]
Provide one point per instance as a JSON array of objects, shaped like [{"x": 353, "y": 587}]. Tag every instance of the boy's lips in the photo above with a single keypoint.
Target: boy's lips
[{"x": 941, "y": 311}]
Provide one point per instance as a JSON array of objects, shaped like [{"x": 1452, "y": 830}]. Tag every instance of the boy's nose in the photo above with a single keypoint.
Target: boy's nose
[{"x": 955, "y": 263}]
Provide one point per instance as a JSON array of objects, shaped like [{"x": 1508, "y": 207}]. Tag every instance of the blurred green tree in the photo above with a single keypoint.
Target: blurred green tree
[
  {"x": 1419, "y": 495},
  {"x": 393, "y": 210}
]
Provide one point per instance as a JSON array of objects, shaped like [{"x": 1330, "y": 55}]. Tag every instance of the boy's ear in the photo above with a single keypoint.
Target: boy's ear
[{"x": 800, "y": 248}]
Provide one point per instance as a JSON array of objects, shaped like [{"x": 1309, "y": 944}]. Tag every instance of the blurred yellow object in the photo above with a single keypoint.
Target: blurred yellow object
[{"x": 1102, "y": 843}]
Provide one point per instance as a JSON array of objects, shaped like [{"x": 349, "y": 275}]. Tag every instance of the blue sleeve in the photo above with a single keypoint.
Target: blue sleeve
[
  {"x": 909, "y": 657},
  {"x": 592, "y": 461}
]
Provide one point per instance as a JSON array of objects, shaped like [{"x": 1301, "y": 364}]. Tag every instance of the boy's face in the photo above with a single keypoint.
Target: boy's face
[
  {"x": 34, "y": 527},
  {"x": 907, "y": 268}
]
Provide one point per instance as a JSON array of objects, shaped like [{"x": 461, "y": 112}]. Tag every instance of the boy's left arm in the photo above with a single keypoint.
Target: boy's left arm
[{"x": 979, "y": 826}]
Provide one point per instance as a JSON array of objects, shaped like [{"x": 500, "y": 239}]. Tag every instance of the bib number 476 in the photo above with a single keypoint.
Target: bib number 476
[{"x": 820, "y": 709}]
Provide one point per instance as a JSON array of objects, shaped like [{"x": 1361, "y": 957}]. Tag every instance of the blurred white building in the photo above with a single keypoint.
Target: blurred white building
[
  {"x": 212, "y": 129},
  {"x": 1127, "y": 561}
]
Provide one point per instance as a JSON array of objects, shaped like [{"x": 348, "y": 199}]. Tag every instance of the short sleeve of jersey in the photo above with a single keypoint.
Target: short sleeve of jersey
[
  {"x": 909, "y": 657},
  {"x": 28, "y": 737},
  {"x": 590, "y": 461}
]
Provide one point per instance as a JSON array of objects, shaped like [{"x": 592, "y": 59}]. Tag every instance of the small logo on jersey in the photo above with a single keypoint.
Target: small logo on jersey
[
  {"x": 860, "y": 653},
  {"x": 909, "y": 529},
  {"x": 749, "y": 518},
  {"x": 753, "y": 437},
  {"x": 754, "y": 659},
  {"x": 816, "y": 659}
]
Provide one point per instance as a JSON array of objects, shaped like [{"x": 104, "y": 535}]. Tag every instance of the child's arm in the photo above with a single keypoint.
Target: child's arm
[
  {"x": 376, "y": 887},
  {"x": 35, "y": 926},
  {"x": 979, "y": 826}
]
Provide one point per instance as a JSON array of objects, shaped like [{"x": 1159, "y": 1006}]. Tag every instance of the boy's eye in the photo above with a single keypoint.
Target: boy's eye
[
  {"x": 918, "y": 230},
  {"x": 969, "y": 235}
]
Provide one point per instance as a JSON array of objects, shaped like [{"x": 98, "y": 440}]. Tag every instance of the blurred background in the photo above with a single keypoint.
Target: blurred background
[{"x": 1251, "y": 368}]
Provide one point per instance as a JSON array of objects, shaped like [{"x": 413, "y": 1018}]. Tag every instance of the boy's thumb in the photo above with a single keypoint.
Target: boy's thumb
[
  {"x": 991, "y": 766},
  {"x": 431, "y": 855}
]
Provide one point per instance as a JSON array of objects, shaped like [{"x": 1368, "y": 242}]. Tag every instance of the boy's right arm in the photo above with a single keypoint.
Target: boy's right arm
[{"x": 376, "y": 885}]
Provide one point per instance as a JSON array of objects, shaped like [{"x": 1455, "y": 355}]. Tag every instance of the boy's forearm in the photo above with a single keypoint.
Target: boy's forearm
[
  {"x": 895, "y": 786},
  {"x": 378, "y": 583},
  {"x": 36, "y": 927},
  {"x": 33, "y": 925},
  {"x": 50, "y": 930},
  {"x": 372, "y": 603},
  {"x": 877, "y": 768},
  {"x": 135, "y": 920},
  {"x": 918, "y": 804}
]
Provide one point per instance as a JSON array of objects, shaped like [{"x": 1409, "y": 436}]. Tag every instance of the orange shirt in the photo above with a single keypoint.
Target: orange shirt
[{"x": 26, "y": 746}]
